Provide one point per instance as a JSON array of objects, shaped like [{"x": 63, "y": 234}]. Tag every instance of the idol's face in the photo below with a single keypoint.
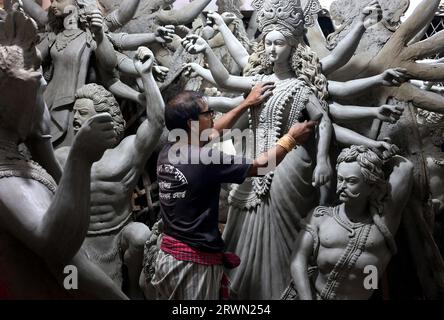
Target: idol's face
[
  {"x": 277, "y": 47},
  {"x": 59, "y": 7},
  {"x": 83, "y": 110},
  {"x": 351, "y": 185}
]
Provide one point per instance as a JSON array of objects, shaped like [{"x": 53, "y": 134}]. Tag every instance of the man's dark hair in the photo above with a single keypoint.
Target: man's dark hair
[{"x": 181, "y": 108}]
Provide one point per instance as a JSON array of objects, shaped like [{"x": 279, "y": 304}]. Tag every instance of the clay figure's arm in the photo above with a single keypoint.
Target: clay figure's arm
[
  {"x": 302, "y": 252},
  {"x": 184, "y": 15},
  {"x": 234, "y": 46},
  {"x": 36, "y": 12},
  {"x": 323, "y": 171},
  {"x": 196, "y": 69},
  {"x": 194, "y": 44},
  {"x": 122, "y": 15},
  {"x": 93, "y": 281},
  {"x": 386, "y": 112},
  {"x": 131, "y": 41},
  {"x": 57, "y": 232},
  {"x": 39, "y": 140},
  {"x": 149, "y": 131},
  {"x": 224, "y": 104},
  {"x": 105, "y": 55},
  {"x": 347, "y": 46},
  {"x": 421, "y": 17},
  {"x": 349, "y": 137},
  {"x": 390, "y": 77},
  {"x": 401, "y": 182}
]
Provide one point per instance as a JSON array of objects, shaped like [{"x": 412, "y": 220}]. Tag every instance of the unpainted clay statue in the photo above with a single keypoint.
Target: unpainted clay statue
[
  {"x": 42, "y": 224},
  {"x": 113, "y": 238},
  {"x": 121, "y": 41},
  {"x": 356, "y": 235},
  {"x": 331, "y": 62},
  {"x": 76, "y": 33},
  {"x": 232, "y": 27},
  {"x": 260, "y": 206},
  {"x": 154, "y": 13},
  {"x": 344, "y": 14},
  {"x": 406, "y": 49}
]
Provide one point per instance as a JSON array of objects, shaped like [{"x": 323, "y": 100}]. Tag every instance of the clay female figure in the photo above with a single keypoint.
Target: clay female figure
[
  {"x": 76, "y": 35},
  {"x": 264, "y": 212},
  {"x": 121, "y": 41},
  {"x": 336, "y": 59}
]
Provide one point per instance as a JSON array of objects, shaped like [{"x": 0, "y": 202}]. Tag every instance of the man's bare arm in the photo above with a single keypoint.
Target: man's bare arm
[
  {"x": 258, "y": 94},
  {"x": 267, "y": 161}
]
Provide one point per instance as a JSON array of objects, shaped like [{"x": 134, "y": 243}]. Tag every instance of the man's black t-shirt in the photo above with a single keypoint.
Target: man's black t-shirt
[{"x": 189, "y": 180}]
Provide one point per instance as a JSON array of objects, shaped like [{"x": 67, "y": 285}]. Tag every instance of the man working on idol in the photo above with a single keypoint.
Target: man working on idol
[{"x": 191, "y": 260}]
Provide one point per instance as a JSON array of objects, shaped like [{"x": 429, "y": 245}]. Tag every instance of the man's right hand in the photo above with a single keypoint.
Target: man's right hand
[
  {"x": 302, "y": 131},
  {"x": 96, "y": 135},
  {"x": 259, "y": 94}
]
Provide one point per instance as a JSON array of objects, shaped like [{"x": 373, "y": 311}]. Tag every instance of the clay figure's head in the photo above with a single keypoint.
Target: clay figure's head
[
  {"x": 63, "y": 13},
  {"x": 360, "y": 172},
  {"x": 277, "y": 47},
  {"x": 60, "y": 8},
  {"x": 92, "y": 99}
]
